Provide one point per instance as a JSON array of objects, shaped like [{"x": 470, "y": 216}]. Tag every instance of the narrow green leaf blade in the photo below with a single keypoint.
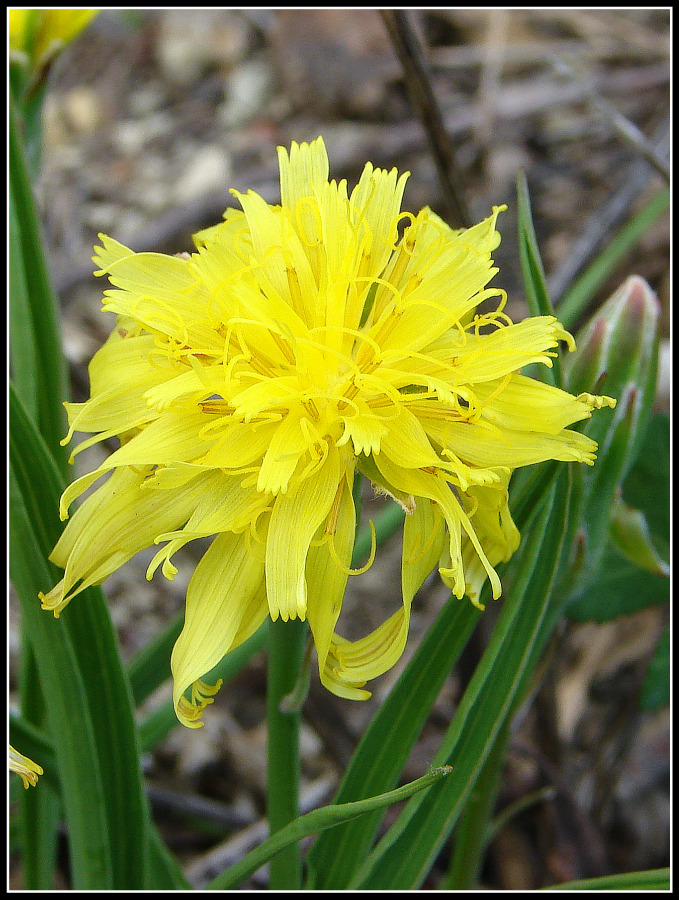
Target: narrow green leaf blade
[
  {"x": 24, "y": 364},
  {"x": 43, "y": 307},
  {"x": 95, "y": 711},
  {"x": 534, "y": 280},
  {"x": 79, "y": 774},
  {"x": 531, "y": 263},
  {"x": 41, "y": 810},
  {"x": 651, "y": 880},
  {"x": 318, "y": 820}
]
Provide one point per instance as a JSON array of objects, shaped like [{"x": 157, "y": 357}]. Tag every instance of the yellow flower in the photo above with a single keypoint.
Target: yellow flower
[
  {"x": 23, "y": 766},
  {"x": 42, "y": 33},
  {"x": 250, "y": 381}
]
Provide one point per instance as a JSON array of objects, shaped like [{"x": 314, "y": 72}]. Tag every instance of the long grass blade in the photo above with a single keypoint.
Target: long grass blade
[{"x": 81, "y": 674}]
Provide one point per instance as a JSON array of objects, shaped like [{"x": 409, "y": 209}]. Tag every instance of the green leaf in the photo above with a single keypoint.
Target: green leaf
[
  {"x": 647, "y": 486},
  {"x": 616, "y": 588},
  {"x": 43, "y": 329},
  {"x": 616, "y": 585},
  {"x": 404, "y": 856},
  {"x": 655, "y": 693},
  {"x": 41, "y": 810},
  {"x": 534, "y": 281},
  {"x": 318, "y": 820},
  {"x": 88, "y": 699},
  {"x": 651, "y": 880},
  {"x": 23, "y": 359},
  {"x": 77, "y": 760}
]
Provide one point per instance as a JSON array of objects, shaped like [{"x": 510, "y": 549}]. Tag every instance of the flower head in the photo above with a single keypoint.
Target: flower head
[{"x": 250, "y": 381}]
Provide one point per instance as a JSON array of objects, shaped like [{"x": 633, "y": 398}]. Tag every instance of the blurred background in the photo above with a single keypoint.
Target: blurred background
[{"x": 151, "y": 117}]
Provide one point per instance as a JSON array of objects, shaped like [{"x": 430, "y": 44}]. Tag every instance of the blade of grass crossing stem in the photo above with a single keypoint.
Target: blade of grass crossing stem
[
  {"x": 577, "y": 298},
  {"x": 534, "y": 281},
  {"x": 95, "y": 711},
  {"x": 404, "y": 856},
  {"x": 51, "y": 378},
  {"x": 387, "y": 743},
  {"x": 318, "y": 820}
]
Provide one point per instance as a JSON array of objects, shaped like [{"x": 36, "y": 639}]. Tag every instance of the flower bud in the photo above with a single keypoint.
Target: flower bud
[{"x": 617, "y": 352}]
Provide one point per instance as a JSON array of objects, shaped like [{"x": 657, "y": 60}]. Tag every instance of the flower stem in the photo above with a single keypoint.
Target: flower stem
[{"x": 286, "y": 652}]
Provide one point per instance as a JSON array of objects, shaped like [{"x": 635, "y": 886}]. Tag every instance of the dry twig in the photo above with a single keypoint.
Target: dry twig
[{"x": 417, "y": 78}]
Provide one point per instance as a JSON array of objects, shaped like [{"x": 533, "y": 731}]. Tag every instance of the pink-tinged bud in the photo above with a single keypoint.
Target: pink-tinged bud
[
  {"x": 617, "y": 354},
  {"x": 618, "y": 344}
]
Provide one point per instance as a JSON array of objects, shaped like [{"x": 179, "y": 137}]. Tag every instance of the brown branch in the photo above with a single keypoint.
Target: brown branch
[{"x": 418, "y": 80}]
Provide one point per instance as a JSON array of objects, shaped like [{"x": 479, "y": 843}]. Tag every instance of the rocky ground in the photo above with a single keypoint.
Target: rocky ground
[{"x": 153, "y": 115}]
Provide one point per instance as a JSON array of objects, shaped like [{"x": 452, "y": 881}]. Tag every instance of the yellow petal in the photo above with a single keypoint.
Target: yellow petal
[
  {"x": 480, "y": 444},
  {"x": 351, "y": 664},
  {"x": 491, "y": 519},
  {"x": 225, "y": 604},
  {"x": 294, "y": 521},
  {"x": 116, "y": 521},
  {"x": 24, "y": 767},
  {"x": 521, "y": 402},
  {"x": 326, "y": 580},
  {"x": 303, "y": 169},
  {"x": 486, "y": 357},
  {"x": 435, "y": 488},
  {"x": 159, "y": 292}
]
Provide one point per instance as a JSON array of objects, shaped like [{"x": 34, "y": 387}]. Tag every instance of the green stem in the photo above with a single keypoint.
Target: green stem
[{"x": 286, "y": 652}]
